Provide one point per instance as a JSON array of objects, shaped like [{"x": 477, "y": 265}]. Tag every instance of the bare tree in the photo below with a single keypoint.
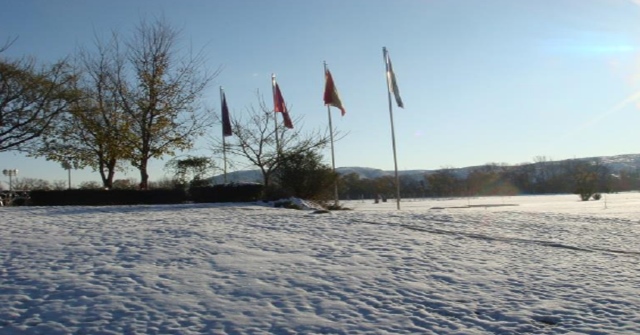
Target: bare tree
[
  {"x": 59, "y": 185},
  {"x": 160, "y": 95},
  {"x": 124, "y": 184},
  {"x": 30, "y": 184},
  {"x": 89, "y": 185},
  {"x": 94, "y": 131},
  {"x": 165, "y": 183},
  {"x": 254, "y": 140},
  {"x": 191, "y": 170},
  {"x": 140, "y": 101}
]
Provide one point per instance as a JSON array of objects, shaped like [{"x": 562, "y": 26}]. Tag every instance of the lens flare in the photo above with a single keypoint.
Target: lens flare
[
  {"x": 589, "y": 43},
  {"x": 630, "y": 100}
]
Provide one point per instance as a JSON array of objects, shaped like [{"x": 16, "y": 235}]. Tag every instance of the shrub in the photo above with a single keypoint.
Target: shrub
[
  {"x": 275, "y": 192},
  {"x": 303, "y": 175},
  {"x": 597, "y": 196},
  {"x": 585, "y": 196}
]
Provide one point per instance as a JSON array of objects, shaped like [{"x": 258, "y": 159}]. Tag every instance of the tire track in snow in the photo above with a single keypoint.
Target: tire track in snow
[{"x": 502, "y": 239}]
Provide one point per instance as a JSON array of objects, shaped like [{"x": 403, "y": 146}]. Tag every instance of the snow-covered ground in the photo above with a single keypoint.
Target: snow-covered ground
[{"x": 542, "y": 265}]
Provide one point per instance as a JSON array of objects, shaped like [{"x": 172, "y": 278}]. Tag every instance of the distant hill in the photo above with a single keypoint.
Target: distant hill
[
  {"x": 614, "y": 163},
  {"x": 363, "y": 172},
  {"x": 621, "y": 162}
]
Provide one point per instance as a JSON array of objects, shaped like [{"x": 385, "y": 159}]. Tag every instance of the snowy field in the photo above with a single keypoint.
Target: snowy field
[{"x": 502, "y": 265}]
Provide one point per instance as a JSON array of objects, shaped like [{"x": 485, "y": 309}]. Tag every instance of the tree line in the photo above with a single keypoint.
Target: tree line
[
  {"x": 575, "y": 176},
  {"x": 131, "y": 98},
  {"x": 126, "y": 99}
]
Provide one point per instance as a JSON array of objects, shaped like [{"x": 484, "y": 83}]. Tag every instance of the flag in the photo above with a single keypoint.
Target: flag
[
  {"x": 226, "y": 122},
  {"x": 280, "y": 107},
  {"x": 331, "y": 96},
  {"x": 278, "y": 101},
  {"x": 287, "y": 120},
  {"x": 391, "y": 80}
]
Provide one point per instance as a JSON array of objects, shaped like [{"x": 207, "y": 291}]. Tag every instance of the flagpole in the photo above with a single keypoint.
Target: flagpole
[
  {"x": 333, "y": 157},
  {"x": 275, "y": 115},
  {"x": 393, "y": 136},
  {"x": 224, "y": 142}
]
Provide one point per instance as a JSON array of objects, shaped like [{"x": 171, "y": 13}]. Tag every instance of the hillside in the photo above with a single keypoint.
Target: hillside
[{"x": 614, "y": 163}]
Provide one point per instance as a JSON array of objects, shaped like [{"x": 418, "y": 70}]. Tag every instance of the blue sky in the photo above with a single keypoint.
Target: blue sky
[{"x": 482, "y": 81}]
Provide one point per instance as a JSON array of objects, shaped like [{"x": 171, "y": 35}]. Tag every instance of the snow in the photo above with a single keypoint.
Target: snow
[{"x": 502, "y": 265}]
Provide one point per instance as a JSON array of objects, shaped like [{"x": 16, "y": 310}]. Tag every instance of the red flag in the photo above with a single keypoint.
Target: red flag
[
  {"x": 287, "y": 121},
  {"x": 278, "y": 101},
  {"x": 331, "y": 96},
  {"x": 226, "y": 122},
  {"x": 280, "y": 107}
]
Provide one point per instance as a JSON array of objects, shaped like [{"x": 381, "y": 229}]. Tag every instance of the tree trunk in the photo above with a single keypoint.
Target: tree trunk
[
  {"x": 111, "y": 166},
  {"x": 107, "y": 172},
  {"x": 144, "y": 176},
  {"x": 265, "y": 178},
  {"x": 101, "y": 168}
]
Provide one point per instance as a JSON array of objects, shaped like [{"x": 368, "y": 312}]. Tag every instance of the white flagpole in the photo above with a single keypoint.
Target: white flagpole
[
  {"x": 224, "y": 143},
  {"x": 393, "y": 136},
  {"x": 333, "y": 158},
  {"x": 275, "y": 114}
]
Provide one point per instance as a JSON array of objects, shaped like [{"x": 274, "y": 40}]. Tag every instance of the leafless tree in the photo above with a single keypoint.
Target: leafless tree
[
  {"x": 29, "y": 184},
  {"x": 254, "y": 140},
  {"x": 59, "y": 185},
  {"x": 94, "y": 130},
  {"x": 159, "y": 92}
]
